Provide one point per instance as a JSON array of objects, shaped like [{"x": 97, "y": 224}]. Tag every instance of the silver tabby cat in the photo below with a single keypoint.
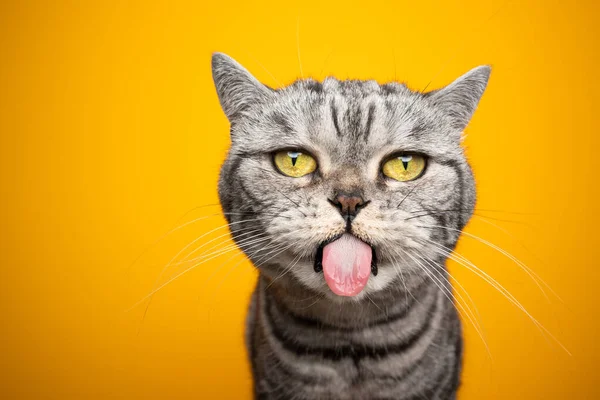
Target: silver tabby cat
[{"x": 352, "y": 299}]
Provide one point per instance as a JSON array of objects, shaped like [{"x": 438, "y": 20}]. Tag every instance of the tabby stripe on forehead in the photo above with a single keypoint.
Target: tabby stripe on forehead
[
  {"x": 334, "y": 117},
  {"x": 417, "y": 129},
  {"x": 355, "y": 352},
  {"x": 370, "y": 117},
  {"x": 283, "y": 122},
  {"x": 353, "y": 117}
]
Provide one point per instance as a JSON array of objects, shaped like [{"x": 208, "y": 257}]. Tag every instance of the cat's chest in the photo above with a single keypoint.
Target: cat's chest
[{"x": 344, "y": 380}]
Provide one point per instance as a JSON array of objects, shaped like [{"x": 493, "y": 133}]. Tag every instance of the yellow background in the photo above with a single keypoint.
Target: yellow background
[{"x": 110, "y": 131}]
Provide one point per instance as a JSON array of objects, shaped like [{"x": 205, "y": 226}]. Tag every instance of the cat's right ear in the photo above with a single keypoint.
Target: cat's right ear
[
  {"x": 236, "y": 87},
  {"x": 459, "y": 99}
]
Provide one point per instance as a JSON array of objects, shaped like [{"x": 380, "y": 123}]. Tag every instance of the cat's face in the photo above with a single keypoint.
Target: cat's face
[{"x": 312, "y": 164}]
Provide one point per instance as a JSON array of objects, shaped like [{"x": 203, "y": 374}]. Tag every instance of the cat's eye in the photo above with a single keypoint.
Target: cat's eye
[
  {"x": 404, "y": 167},
  {"x": 294, "y": 163}
]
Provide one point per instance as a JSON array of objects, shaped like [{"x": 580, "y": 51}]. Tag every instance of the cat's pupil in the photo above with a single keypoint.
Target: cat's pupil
[
  {"x": 405, "y": 160},
  {"x": 294, "y": 156}
]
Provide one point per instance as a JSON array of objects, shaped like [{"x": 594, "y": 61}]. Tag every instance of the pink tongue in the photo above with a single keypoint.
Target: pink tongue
[{"x": 347, "y": 265}]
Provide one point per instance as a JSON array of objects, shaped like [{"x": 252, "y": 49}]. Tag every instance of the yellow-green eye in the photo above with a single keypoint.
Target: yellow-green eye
[
  {"x": 295, "y": 163},
  {"x": 405, "y": 167}
]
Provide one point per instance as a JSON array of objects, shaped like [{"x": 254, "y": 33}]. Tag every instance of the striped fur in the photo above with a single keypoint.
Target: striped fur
[{"x": 400, "y": 338}]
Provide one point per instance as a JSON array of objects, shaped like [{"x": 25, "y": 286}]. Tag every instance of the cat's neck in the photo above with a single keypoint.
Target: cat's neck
[{"x": 324, "y": 309}]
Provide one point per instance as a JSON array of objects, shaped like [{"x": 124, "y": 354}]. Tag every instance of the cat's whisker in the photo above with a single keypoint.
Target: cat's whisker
[
  {"x": 461, "y": 260},
  {"x": 186, "y": 258},
  {"x": 457, "y": 282},
  {"x": 475, "y": 315},
  {"x": 210, "y": 257},
  {"x": 228, "y": 225},
  {"x": 233, "y": 246},
  {"x": 273, "y": 248},
  {"x": 270, "y": 250},
  {"x": 306, "y": 298},
  {"x": 286, "y": 270},
  {"x": 295, "y": 203},
  {"x": 173, "y": 230},
  {"x": 217, "y": 269},
  {"x": 425, "y": 213},
  {"x": 409, "y": 193},
  {"x": 401, "y": 275},
  {"x": 278, "y": 250},
  {"x": 252, "y": 213},
  {"x": 159, "y": 277},
  {"x": 176, "y": 277},
  {"x": 179, "y": 227},
  {"x": 501, "y": 251},
  {"x": 450, "y": 296},
  {"x": 248, "y": 249},
  {"x": 477, "y": 209},
  {"x": 223, "y": 239},
  {"x": 320, "y": 297},
  {"x": 214, "y": 254},
  {"x": 375, "y": 304},
  {"x": 164, "y": 269},
  {"x": 526, "y": 249}
]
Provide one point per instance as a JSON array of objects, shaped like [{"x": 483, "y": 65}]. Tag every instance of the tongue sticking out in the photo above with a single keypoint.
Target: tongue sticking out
[{"x": 347, "y": 265}]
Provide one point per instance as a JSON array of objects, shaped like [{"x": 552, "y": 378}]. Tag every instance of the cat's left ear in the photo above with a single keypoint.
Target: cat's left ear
[
  {"x": 459, "y": 99},
  {"x": 236, "y": 87}
]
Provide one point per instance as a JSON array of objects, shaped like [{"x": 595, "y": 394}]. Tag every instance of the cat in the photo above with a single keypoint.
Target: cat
[{"x": 348, "y": 196}]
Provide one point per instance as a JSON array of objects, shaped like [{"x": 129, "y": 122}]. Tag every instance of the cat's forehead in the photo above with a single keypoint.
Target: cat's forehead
[
  {"x": 354, "y": 117},
  {"x": 345, "y": 115}
]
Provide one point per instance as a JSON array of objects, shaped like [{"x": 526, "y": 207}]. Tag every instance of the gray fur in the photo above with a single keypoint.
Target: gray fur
[{"x": 400, "y": 338}]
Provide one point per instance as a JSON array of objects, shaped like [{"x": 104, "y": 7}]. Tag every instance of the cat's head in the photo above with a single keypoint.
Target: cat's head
[{"x": 344, "y": 186}]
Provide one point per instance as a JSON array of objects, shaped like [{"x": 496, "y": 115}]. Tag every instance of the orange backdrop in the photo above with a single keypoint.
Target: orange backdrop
[{"x": 110, "y": 131}]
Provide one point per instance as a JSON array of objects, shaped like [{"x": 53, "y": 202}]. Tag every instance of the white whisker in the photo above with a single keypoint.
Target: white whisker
[
  {"x": 461, "y": 260},
  {"x": 498, "y": 249},
  {"x": 176, "y": 277},
  {"x": 450, "y": 296},
  {"x": 186, "y": 258},
  {"x": 486, "y": 220}
]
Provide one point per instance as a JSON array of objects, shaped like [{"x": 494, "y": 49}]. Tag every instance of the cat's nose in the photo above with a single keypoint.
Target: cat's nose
[{"x": 349, "y": 204}]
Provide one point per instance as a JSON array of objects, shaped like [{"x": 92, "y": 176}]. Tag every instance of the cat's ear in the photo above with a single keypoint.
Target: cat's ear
[
  {"x": 459, "y": 99},
  {"x": 236, "y": 87}
]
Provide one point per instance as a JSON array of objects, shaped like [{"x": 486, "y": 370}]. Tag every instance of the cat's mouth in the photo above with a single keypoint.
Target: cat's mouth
[{"x": 347, "y": 263}]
